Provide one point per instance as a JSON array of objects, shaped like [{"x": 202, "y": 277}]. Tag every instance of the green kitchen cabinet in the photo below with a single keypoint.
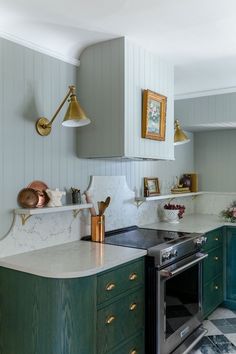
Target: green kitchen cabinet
[
  {"x": 46, "y": 316},
  {"x": 230, "y": 268},
  {"x": 213, "y": 288},
  {"x": 41, "y": 315}
]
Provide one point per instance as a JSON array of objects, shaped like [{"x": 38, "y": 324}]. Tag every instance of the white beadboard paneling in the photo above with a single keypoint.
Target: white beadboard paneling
[
  {"x": 112, "y": 76},
  {"x": 208, "y": 112},
  {"x": 101, "y": 92},
  {"x": 145, "y": 70},
  {"x": 33, "y": 84}
]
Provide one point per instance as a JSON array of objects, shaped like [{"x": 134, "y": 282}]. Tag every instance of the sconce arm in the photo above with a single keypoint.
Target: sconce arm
[
  {"x": 71, "y": 91},
  {"x": 43, "y": 125}
]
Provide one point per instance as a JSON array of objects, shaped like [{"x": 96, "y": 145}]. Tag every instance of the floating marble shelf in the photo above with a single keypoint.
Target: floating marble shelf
[
  {"x": 25, "y": 214},
  {"x": 141, "y": 200}
]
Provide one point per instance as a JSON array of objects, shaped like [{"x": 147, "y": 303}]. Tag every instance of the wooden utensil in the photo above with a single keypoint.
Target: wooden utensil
[
  {"x": 89, "y": 200},
  {"x": 103, "y": 205},
  {"x": 107, "y": 201}
]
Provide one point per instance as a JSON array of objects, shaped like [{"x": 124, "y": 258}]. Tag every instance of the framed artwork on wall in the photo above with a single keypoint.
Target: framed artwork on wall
[
  {"x": 154, "y": 115},
  {"x": 151, "y": 187}
]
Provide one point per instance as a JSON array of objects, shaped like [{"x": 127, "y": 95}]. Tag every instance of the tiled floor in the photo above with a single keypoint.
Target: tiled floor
[{"x": 221, "y": 336}]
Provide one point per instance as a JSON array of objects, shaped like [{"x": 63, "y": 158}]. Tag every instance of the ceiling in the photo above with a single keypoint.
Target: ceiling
[{"x": 198, "y": 36}]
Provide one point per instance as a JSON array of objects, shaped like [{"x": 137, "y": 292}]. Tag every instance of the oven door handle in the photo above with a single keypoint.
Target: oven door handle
[{"x": 165, "y": 273}]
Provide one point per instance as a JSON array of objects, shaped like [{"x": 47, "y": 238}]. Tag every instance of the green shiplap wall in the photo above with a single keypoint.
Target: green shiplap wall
[{"x": 32, "y": 85}]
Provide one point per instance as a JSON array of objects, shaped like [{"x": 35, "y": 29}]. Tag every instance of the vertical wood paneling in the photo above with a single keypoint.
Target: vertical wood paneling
[
  {"x": 32, "y": 85},
  {"x": 144, "y": 70},
  {"x": 208, "y": 109},
  {"x": 101, "y": 78}
]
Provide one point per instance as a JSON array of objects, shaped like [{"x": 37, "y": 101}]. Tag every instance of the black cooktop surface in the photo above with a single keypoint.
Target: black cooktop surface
[{"x": 142, "y": 238}]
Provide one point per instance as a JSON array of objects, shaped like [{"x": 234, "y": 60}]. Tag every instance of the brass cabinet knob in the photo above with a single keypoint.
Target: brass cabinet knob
[
  {"x": 133, "y": 276},
  {"x": 216, "y": 258},
  {"x": 110, "y": 286},
  {"x": 216, "y": 287},
  {"x": 133, "y": 306},
  {"x": 110, "y": 319},
  {"x": 133, "y": 351},
  {"x": 216, "y": 238}
]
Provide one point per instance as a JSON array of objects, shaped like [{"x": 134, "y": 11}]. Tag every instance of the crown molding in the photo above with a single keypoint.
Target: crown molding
[
  {"x": 38, "y": 48},
  {"x": 220, "y": 91}
]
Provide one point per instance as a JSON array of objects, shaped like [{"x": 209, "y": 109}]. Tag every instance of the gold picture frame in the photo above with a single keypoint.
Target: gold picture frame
[
  {"x": 151, "y": 187},
  {"x": 154, "y": 116}
]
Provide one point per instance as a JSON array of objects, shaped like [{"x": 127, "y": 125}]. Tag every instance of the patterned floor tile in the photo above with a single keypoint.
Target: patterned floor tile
[
  {"x": 231, "y": 337},
  {"x": 220, "y": 313},
  {"x": 205, "y": 346},
  {"x": 221, "y": 335},
  {"x": 226, "y": 325},
  {"x": 223, "y": 344},
  {"x": 211, "y": 328}
]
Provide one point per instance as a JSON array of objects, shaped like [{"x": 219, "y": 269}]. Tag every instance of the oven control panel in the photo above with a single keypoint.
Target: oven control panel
[
  {"x": 169, "y": 254},
  {"x": 180, "y": 250}
]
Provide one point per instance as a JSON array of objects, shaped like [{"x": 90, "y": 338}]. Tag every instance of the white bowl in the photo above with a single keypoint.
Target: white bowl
[{"x": 171, "y": 216}]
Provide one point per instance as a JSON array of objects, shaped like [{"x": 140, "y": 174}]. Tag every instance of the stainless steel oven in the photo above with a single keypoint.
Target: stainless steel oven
[
  {"x": 180, "y": 301},
  {"x": 173, "y": 286},
  {"x": 178, "y": 304}
]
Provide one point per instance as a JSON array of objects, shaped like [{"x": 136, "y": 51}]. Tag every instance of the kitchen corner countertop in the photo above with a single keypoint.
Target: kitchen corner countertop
[
  {"x": 71, "y": 260},
  {"x": 199, "y": 223}
]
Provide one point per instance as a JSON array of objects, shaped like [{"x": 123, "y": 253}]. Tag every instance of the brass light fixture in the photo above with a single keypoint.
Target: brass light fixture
[
  {"x": 74, "y": 117},
  {"x": 180, "y": 137}
]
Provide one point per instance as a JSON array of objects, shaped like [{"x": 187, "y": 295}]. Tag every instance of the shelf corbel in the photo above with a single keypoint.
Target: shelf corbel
[
  {"x": 76, "y": 212},
  {"x": 138, "y": 203},
  {"x": 24, "y": 218}
]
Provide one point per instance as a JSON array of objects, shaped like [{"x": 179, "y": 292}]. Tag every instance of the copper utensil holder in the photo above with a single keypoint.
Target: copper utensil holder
[{"x": 98, "y": 228}]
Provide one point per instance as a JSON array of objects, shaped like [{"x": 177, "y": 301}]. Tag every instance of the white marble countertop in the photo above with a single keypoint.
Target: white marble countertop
[
  {"x": 192, "y": 223},
  {"x": 71, "y": 260}
]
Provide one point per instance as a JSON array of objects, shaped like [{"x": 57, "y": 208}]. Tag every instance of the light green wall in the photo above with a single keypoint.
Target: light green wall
[
  {"x": 215, "y": 160},
  {"x": 215, "y": 150},
  {"x": 33, "y": 84},
  {"x": 202, "y": 111}
]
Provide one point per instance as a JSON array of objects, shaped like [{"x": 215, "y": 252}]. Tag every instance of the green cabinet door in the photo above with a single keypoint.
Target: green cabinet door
[
  {"x": 213, "y": 272},
  {"x": 46, "y": 316},
  {"x": 230, "y": 268}
]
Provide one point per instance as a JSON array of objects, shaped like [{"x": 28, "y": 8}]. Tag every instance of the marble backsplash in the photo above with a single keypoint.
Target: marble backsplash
[
  {"x": 47, "y": 230},
  {"x": 213, "y": 202}
]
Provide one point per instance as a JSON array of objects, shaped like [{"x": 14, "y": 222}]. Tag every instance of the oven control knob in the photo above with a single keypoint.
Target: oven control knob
[
  {"x": 200, "y": 241},
  {"x": 174, "y": 253},
  {"x": 166, "y": 256}
]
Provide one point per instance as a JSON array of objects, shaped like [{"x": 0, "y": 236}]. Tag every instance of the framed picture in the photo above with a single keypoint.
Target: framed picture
[
  {"x": 151, "y": 187},
  {"x": 154, "y": 115}
]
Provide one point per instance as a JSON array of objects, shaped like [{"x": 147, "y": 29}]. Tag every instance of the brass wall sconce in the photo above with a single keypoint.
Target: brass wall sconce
[
  {"x": 74, "y": 117},
  {"x": 180, "y": 137}
]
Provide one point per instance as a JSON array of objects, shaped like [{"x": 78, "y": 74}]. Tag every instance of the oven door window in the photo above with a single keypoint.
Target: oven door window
[{"x": 181, "y": 299}]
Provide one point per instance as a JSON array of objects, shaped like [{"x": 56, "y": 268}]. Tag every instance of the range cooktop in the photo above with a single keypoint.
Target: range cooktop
[
  {"x": 143, "y": 238},
  {"x": 164, "y": 246}
]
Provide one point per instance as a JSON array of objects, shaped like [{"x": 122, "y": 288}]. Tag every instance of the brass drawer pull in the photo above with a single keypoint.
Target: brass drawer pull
[
  {"x": 216, "y": 258},
  {"x": 110, "y": 319},
  {"x": 216, "y": 287},
  {"x": 133, "y": 306},
  {"x": 110, "y": 286},
  {"x": 133, "y": 351},
  {"x": 216, "y": 238},
  {"x": 133, "y": 276}
]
